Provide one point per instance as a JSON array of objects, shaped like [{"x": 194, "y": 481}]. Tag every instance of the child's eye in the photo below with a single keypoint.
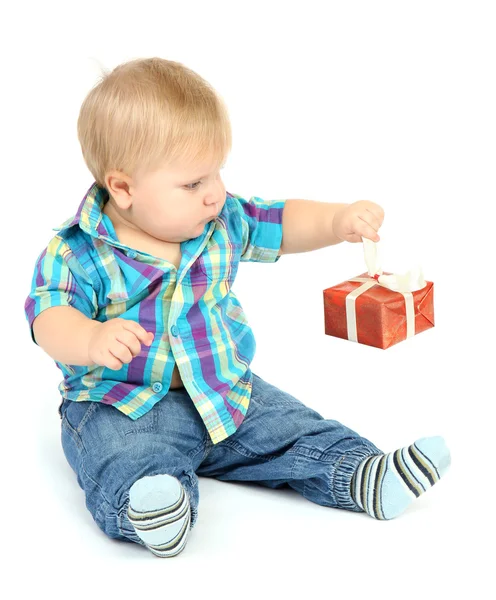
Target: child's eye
[{"x": 195, "y": 185}]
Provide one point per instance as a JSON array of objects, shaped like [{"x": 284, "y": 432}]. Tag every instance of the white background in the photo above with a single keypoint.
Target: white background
[{"x": 334, "y": 101}]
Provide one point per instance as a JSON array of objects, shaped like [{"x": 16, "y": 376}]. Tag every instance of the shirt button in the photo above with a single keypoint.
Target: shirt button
[
  {"x": 157, "y": 387},
  {"x": 132, "y": 254},
  {"x": 174, "y": 331}
]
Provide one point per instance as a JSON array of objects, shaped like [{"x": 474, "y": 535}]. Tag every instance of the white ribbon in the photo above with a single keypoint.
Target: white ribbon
[{"x": 405, "y": 284}]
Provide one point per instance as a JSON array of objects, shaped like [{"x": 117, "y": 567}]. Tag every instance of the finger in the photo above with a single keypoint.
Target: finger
[
  {"x": 140, "y": 332},
  {"x": 371, "y": 219},
  {"x": 377, "y": 211},
  {"x": 353, "y": 238},
  {"x": 121, "y": 352},
  {"x": 365, "y": 230},
  {"x": 110, "y": 361},
  {"x": 372, "y": 207},
  {"x": 130, "y": 340}
]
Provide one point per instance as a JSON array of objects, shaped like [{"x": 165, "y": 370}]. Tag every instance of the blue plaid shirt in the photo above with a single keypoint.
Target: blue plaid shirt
[{"x": 197, "y": 320}]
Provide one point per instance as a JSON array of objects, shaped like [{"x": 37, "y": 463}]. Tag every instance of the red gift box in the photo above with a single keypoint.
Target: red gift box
[{"x": 377, "y": 316}]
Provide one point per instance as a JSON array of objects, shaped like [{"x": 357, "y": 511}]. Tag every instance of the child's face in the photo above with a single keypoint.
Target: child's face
[{"x": 174, "y": 203}]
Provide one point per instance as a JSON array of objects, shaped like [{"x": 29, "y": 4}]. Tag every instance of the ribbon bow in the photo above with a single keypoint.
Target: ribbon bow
[
  {"x": 405, "y": 284},
  {"x": 411, "y": 281}
]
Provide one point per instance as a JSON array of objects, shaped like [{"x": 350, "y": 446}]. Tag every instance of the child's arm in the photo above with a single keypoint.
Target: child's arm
[
  {"x": 310, "y": 225},
  {"x": 62, "y": 309},
  {"x": 64, "y": 332},
  {"x": 71, "y": 338}
]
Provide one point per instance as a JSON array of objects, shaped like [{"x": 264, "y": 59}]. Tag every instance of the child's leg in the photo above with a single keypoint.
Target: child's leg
[
  {"x": 284, "y": 443},
  {"x": 138, "y": 476},
  {"x": 383, "y": 486}
]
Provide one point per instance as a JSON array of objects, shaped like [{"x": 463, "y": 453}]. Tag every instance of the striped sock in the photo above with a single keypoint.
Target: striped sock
[
  {"x": 385, "y": 484},
  {"x": 159, "y": 511}
]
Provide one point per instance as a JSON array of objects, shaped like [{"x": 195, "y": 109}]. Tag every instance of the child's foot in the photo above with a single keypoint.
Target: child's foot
[
  {"x": 159, "y": 511},
  {"x": 385, "y": 484}
]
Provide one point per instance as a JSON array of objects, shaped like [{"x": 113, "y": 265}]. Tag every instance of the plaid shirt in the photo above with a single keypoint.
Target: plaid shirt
[{"x": 197, "y": 320}]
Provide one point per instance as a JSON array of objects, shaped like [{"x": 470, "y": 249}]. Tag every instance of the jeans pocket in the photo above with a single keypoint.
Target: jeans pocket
[{"x": 77, "y": 414}]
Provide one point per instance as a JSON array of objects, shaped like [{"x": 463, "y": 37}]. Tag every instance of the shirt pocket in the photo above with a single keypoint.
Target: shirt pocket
[
  {"x": 127, "y": 284},
  {"x": 219, "y": 261}
]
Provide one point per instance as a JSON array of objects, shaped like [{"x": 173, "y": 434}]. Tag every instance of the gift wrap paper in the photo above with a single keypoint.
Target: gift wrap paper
[{"x": 380, "y": 317}]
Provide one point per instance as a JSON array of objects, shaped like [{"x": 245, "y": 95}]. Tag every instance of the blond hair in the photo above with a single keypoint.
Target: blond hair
[{"x": 149, "y": 112}]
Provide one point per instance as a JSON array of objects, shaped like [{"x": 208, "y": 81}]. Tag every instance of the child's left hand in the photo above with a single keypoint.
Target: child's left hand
[{"x": 362, "y": 218}]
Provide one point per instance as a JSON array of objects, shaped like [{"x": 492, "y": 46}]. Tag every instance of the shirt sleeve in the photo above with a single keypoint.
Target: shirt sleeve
[
  {"x": 261, "y": 230},
  {"x": 59, "y": 280}
]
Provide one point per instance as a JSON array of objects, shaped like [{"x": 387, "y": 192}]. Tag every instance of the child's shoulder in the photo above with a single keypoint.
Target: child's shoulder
[
  {"x": 235, "y": 204},
  {"x": 67, "y": 243},
  {"x": 232, "y": 201}
]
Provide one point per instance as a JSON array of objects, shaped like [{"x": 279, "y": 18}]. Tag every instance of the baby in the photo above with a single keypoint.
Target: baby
[{"x": 133, "y": 300}]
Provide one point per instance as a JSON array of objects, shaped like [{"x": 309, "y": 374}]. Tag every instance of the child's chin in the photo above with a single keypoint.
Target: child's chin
[{"x": 198, "y": 230}]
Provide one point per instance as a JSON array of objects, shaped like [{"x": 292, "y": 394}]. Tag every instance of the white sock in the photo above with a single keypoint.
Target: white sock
[{"x": 159, "y": 511}]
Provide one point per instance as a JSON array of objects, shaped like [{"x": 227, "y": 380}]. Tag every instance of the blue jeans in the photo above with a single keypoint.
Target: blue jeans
[{"x": 280, "y": 443}]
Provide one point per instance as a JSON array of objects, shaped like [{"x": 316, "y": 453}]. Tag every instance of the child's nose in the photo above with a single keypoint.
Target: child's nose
[{"x": 211, "y": 199}]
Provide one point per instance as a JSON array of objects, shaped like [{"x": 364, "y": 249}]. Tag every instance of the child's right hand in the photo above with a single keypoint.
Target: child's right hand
[{"x": 116, "y": 342}]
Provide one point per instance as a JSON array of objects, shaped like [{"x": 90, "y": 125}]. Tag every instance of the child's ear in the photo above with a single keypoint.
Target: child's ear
[{"x": 119, "y": 186}]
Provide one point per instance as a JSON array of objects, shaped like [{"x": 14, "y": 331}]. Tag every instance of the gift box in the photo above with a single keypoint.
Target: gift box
[{"x": 368, "y": 312}]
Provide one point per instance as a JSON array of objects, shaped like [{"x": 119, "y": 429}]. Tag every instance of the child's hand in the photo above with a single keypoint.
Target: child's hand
[
  {"x": 362, "y": 218},
  {"x": 116, "y": 342}
]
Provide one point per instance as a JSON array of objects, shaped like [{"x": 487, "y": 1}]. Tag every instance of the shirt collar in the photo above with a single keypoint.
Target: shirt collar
[
  {"x": 89, "y": 216},
  {"x": 92, "y": 220}
]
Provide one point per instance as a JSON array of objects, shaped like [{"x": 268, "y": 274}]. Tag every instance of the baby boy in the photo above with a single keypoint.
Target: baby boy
[{"x": 133, "y": 300}]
